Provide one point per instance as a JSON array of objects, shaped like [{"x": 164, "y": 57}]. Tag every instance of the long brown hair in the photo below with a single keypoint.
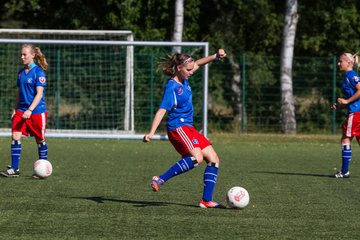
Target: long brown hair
[{"x": 39, "y": 56}]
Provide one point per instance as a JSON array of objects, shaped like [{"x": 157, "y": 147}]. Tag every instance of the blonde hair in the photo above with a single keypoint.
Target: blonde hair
[
  {"x": 353, "y": 58},
  {"x": 168, "y": 64},
  {"x": 39, "y": 56}
]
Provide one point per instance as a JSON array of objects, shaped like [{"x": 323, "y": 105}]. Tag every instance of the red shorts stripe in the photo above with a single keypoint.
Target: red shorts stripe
[
  {"x": 351, "y": 127},
  {"x": 43, "y": 124},
  {"x": 186, "y": 138}
]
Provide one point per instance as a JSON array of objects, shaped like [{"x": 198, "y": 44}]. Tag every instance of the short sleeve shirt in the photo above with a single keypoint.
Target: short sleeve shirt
[
  {"x": 177, "y": 100},
  {"x": 27, "y": 83}
]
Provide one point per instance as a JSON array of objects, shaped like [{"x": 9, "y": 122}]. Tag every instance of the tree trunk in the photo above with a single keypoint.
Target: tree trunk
[
  {"x": 287, "y": 97},
  {"x": 236, "y": 89},
  {"x": 178, "y": 24}
]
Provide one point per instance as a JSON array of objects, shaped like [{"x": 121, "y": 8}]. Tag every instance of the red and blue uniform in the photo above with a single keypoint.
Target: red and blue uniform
[
  {"x": 177, "y": 100},
  {"x": 27, "y": 84},
  {"x": 351, "y": 127}
]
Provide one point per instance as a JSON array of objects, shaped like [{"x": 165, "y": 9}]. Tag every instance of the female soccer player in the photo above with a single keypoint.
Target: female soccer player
[
  {"x": 29, "y": 115},
  {"x": 189, "y": 143},
  {"x": 351, "y": 127}
]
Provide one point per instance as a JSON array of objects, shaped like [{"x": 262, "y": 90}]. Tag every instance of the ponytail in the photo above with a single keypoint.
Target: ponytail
[
  {"x": 166, "y": 65},
  {"x": 39, "y": 56},
  {"x": 40, "y": 59},
  {"x": 169, "y": 63},
  {"x": 356, "y": 60}
]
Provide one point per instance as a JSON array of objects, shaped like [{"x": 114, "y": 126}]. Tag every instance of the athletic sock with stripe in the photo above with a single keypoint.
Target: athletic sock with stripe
[
  {"x": 182, "y": 166},
  {"x": 210, "y": 176}
]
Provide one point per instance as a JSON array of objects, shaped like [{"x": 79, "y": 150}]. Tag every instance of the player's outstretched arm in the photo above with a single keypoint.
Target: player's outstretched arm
[
  {"x": 156, "y": 121},
  {"x": 220, "y": 54}
]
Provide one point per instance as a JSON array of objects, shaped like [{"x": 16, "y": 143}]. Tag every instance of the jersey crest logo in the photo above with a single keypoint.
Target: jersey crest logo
[
  {"x": 29, "y": 80},
  {"x": 356, "y": 79},
  {"x": 195, "y": 141},
  {"x": 42, "y": 79},
  {"x": 180, "y": 91}
]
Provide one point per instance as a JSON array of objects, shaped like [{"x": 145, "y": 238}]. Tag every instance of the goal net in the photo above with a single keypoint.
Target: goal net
[{"x": 100, "y": 85}]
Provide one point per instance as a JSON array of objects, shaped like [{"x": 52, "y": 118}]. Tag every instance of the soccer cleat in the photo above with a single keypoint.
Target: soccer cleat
[
  {"x": 10, "y": 172},
  {"x": 342, "y": 175},
  {"x": 210, "y": 204},
  {"x": 156, "y": 182}
]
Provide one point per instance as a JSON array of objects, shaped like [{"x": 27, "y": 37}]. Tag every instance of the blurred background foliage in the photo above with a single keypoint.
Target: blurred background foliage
[{"x": 242, "y": 27}]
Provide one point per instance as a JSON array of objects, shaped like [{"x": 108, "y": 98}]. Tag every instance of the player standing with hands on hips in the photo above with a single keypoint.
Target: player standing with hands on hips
[
  {"x": 351, "y": 127},
  {"x": 188, "y": 142},
  {"x": 29, "y": 115}
]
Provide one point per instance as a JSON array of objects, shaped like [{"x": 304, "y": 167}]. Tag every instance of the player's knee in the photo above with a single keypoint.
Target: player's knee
[
  {"x": 216, "y": 159},
  {"x": 213, "y": 159},
  {"x": 194, "y": 161},
  {"x": 15, "y": 137},
  {"x": 39, "y": 140},
  {"x": 198, "y": 155},
  {"x": 198, "y": 159}
]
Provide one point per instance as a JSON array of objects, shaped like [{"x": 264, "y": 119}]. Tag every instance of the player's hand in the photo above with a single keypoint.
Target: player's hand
[
  {"x": 147, "y": 138},
  {"x": 334, "y": 106},
  {"x": 342, "y": 101},
  {"x": 221, "y": 53},
  {"x": 26, "y": 114}
]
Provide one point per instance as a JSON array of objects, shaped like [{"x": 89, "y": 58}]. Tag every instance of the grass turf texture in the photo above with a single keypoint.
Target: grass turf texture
[{"x": 100, "y": 190}]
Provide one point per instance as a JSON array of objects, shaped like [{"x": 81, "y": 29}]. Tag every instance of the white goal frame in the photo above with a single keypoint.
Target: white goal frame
[
  {"x": 129, "y": 75},
  {"x": 129, "y": 92}
]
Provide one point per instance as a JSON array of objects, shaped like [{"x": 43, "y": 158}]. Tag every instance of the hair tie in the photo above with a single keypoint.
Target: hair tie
[{"x": 186, "y": 61}]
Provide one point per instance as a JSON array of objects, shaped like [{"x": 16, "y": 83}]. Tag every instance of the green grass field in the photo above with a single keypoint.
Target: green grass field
[{"x": 100, "y": 190}]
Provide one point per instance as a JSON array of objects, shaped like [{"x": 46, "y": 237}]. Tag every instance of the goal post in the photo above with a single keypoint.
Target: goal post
[
  {"x": 109, "y": 59},
  {"x": 85, "y": 35}
]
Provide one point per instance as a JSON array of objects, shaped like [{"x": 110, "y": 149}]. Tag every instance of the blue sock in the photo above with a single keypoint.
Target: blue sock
[
  {"x": 183, "y": 165},
  {"x": 346, "y": 157},
  {"x": 210, "y": 176},
  {"x": 15, "y": 154},
  {"x": 43, "y": 150}
]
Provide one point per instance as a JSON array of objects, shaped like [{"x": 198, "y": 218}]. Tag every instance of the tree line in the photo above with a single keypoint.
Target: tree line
[{"x": 323, "y": 28}]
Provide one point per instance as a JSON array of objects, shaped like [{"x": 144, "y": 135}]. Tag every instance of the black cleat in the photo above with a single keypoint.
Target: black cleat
[{"x": 10, "y": 172}]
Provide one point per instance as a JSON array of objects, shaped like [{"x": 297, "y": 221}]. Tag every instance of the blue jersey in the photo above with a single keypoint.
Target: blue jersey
[
  {"x": 27, "y": 84},
  {"x": 177, "y": 100},
  {"x": 351, "y": 79}
]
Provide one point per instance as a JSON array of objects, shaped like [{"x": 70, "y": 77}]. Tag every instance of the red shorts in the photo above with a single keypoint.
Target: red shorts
[
  {"x": 34, "y": 126},
  {"x": 186, "y": 138},
  {"x": 351, "y": 127}
]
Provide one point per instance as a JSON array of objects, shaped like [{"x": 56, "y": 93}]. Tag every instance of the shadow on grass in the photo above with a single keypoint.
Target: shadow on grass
[
  {"x": 295, "y": 174},
  {"x": 102, "y": 199}
]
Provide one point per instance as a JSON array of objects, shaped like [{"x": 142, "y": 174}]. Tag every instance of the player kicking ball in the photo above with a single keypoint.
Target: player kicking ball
[{"x": 188, "y": 142}]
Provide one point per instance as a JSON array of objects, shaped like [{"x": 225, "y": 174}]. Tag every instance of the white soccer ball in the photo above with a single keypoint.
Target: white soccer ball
[
  {"x": 237, "y": 197},
  {"x": 42, "y": 168}
]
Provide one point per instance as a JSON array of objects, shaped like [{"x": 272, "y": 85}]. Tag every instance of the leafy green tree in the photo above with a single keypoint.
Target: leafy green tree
[
  {"x": 252, "y": 27},
  {"x": 328, "y": 28}
]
